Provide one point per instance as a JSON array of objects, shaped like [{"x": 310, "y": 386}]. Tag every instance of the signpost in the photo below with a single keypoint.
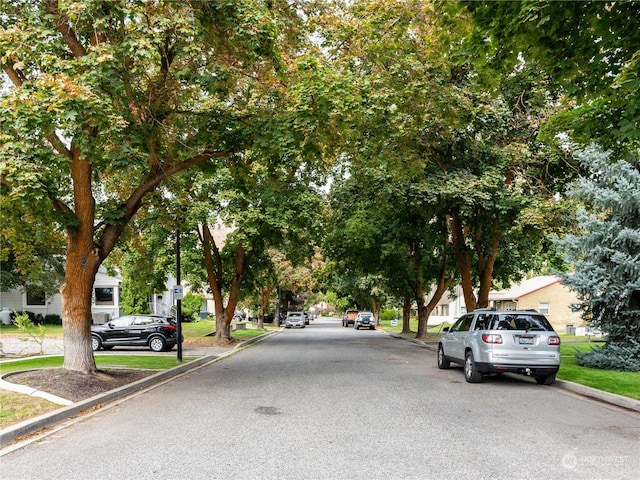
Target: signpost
[{"x": 177, "y": 295}]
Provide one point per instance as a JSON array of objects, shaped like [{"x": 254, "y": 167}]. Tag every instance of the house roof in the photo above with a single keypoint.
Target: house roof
[
  {"x": 524, "y": 288},
  {"x": 104, "y": 280}
]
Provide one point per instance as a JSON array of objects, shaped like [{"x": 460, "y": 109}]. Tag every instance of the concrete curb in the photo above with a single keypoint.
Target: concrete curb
[
  {"x": 595, "y": 394},
  {"x": 582, "y": 390},
  {"x": 27, "y": 427}
]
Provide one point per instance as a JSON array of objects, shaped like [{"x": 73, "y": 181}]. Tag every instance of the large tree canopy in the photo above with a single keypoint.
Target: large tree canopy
[
  {"x": 590, "y": 49},
  {"x": 422, "y": 122},
  {"x": 109, "y": 99}
]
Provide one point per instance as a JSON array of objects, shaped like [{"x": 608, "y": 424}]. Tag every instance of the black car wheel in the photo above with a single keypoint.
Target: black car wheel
[
  {"x": 546, "y": 379},
  {"x": 96, "y": 343},
  {"x": 471, "y": 373},
  {"x": 157, "y": 344},
  {"x": 442, "y": 360}
]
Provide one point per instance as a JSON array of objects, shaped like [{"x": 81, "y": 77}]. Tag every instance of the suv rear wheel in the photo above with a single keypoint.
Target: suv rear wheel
[
  {"x": 442, "y": 360},
  {"x": 546, "y": 379},
  {"x": 471, "y": 373}
]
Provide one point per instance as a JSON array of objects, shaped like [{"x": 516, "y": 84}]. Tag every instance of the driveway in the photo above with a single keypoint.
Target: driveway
[
  {"x": 10, "y": 345},
  {"x": 327, "y": 402}
]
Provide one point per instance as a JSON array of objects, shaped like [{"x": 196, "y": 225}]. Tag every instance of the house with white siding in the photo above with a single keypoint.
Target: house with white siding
[{"x": 105, "y": 300}]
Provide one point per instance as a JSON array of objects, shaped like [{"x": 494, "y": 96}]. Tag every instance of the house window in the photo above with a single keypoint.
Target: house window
[
  {"x": 104, "y": 296},
  {"x": 543, "y": 307},
  {"x": 36, "y": 297}
]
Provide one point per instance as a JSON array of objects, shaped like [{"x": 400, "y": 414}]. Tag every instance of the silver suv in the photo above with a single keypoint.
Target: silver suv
[{"x": 489, "y": 341}]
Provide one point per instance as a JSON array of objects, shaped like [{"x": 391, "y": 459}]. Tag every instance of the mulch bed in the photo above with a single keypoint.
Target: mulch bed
[{"x": 77, "y": 386}]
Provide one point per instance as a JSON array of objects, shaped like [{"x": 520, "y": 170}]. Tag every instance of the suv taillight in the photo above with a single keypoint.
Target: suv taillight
[
  {"x": 492, "y": 338},
  {"x": 553, "y": 340}
]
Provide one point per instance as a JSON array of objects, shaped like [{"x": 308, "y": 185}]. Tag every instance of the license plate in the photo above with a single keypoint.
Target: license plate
[{"x": 526, "y": 340}]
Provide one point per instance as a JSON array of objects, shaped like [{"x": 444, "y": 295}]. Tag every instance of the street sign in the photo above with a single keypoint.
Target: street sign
[{"x": 177, "y": 292}]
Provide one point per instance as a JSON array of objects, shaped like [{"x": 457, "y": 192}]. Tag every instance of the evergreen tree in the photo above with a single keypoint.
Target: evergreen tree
[{"x": 606, "y": 255}]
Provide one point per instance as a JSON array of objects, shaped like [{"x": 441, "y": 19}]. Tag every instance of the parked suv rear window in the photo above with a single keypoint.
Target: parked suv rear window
[{"x": 520, "y": 321}]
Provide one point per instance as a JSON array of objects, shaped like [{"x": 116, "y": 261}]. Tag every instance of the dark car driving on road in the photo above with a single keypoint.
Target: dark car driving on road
[{"x": 158, "y": 332}]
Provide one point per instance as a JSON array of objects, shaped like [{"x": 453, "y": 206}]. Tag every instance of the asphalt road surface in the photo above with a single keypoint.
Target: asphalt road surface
[{"x": 328, "y": 402}]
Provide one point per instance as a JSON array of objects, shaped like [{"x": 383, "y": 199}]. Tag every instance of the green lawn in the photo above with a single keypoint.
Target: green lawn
[
  {"x": 151, "y": 362},
  {"x": 621, "y": 383},
  {"x": 51, "y": 331}
]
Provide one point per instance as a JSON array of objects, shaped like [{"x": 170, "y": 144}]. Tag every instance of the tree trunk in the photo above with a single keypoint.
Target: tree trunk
[
  {"x": 82, "y": 262},
  {"x": 376, "y": 309},
  {"x": 265, "y": 294},
  {"x": 444, "y": 282},
  {"x": 423, "y": 316},
  {"x": 464, "y": 263},
  {"x": 406, "y": 315},
  {"x": 485, "y": 274},
  {"x": 276, "y": 314},
  {"x": 215, "y": 276},
  {"x": 77, "y": 291}
]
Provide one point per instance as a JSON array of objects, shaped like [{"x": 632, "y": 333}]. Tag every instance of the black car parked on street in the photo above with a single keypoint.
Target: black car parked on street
[{"x": 158, "y": 332}]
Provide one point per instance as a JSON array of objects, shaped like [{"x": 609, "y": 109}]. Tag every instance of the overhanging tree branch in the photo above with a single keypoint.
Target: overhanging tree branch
[{"x": 64, "y": 27}]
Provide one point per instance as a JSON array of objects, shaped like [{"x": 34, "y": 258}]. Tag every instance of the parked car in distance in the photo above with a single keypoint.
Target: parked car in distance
[
  {"x": 158, "y": 332},
  {"x": 294, "y": 319},
  {"x": 364, "y": 320},
  {"x": 489, "y": 342},
  {"x": 349, "y": 317}
]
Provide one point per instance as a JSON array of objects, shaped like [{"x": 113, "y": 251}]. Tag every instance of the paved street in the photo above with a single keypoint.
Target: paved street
[{"x": 327, "y": 402}]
